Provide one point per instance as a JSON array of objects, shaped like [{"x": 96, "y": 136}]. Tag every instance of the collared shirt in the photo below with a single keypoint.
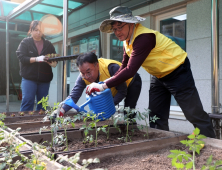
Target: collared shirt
[
  {"x": 142, "y": 46},
  {"x": 80, "y": 85}
]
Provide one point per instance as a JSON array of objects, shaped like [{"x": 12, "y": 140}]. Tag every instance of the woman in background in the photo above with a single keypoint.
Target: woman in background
[{"x": 35, "y": 71}]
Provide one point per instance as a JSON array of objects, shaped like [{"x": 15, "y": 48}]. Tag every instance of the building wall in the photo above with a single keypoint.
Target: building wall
[{"x": 198, "y": 43}]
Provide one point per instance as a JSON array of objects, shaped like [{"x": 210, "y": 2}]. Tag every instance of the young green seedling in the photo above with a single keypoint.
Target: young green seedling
[
  {"x": 75, "y": 159},
  {"x": 2, "y": 117},
  {"x": 36, "y": 161},
  {"x": 65, "y": 122},
  {"x": 49, "y": 116},
  {"x": 212, "y": 166},
  {"x": 86, "y": 128},
  {"x": 145, "y": 116},
  {"x": 108, "y": 129},
  {"x": 93, "y": 124},
  {"x": 10, "y": 150},
  {"x": 127, "y": 118},
  {"x": 195, "y": 144}
]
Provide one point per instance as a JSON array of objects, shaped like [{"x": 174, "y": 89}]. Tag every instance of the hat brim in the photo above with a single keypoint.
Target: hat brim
[{"x": 106, "y": 26}]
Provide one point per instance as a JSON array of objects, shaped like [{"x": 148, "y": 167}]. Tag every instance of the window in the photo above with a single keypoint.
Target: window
[
  {"x": 173, "y": 25},
  {"x": 116, "y": 48},
  {"x": 86, "y": 43}
]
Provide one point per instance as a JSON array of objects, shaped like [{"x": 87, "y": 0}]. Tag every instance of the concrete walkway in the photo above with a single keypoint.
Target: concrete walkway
[{"x": 13, "y": 106}]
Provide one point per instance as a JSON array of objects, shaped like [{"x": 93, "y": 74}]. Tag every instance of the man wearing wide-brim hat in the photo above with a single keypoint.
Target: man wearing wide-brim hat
[{"x": 162, "y": 58}]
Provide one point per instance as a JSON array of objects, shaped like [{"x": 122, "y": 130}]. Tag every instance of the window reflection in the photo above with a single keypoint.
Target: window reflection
[{"x": 175, "y": 29}]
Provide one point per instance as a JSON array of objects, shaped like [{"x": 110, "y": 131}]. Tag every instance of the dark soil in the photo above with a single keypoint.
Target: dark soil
[
  {"x": 155, "y": 161},
  {"x": 117, "y": 138},
  {"x": 78, "y": 124}
]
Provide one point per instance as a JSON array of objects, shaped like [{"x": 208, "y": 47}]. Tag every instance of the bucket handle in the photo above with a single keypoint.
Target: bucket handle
[{"x": 81, "y": 108}]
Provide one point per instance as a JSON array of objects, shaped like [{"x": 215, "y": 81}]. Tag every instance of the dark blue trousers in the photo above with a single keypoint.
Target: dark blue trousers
[
  {"x": 180, "y": 84},
  {"x": 133, "y": 93}
]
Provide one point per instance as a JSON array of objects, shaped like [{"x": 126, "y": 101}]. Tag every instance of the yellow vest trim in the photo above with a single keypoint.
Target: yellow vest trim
[
  {"x": 104, "y": 73},
  {"x": 164, "y": 58}
]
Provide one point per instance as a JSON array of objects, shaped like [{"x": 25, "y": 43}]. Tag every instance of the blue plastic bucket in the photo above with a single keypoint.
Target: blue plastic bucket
[{"x": 99, "y": 102}]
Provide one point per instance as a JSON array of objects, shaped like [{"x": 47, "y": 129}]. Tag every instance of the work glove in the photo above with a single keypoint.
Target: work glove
[
  {"x": 40, "y": 58},
  {"x": 59, "y": 112},
  {"x": 53, "y": 63},
  {"x": 94, "y": 87}
]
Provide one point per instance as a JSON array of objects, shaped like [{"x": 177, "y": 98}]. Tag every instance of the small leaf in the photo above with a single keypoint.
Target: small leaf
[
  {"x": 73, "y": 124},
  {"x": 196, "y": 131},
  {"x": 201, "y": 137},
  {"x": 180, "y": 158},
  {"x": 209, "y": 160},
  {"x": 189, "y": 165},
  {"x": 191, "y": 136},
  {"x": 179, "y": 165},
  {"x": 203, "y": 167}
]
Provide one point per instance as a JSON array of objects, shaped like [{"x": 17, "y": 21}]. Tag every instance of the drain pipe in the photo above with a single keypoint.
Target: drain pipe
[
  {"x": 7, "y": 66},
  {"x": 65, "y": 35},
  {"x": 215, "y": 57}
]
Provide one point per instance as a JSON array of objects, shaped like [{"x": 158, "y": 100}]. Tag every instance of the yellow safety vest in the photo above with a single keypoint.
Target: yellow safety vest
[
  {"x": 104, "y": 73},
  {"x": 164, "y": 58}
]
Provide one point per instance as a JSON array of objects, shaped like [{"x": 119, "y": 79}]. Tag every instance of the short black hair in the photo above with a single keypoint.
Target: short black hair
[{"x": 86, "y": 58}]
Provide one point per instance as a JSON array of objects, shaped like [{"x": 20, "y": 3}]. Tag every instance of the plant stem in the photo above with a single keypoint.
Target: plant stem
[
  {"x": 96, "y": 135},
  {"x": 66, "y": 140},
  {"x": 147, "y": 134},
  {"x": 193, "y": 160},
  {"x": 51, "y": 134},
  {"x": 127, "y": 126},
  {"x": 108, "y": 132}
]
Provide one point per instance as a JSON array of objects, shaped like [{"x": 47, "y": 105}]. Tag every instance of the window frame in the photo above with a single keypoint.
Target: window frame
[{"x": 175, "y": 111}]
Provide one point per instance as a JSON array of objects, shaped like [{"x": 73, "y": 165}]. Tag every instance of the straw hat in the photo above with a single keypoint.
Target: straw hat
[{"x": 122, "y": 14}]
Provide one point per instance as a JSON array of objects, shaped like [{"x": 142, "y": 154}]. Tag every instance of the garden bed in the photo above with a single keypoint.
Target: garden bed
[
  {"x": 158, "y": 160},
  {"x": 26, "y": 150},
  {"x": 32, "y": 126},
  {"x": 113, "y": 145},
  {"x": 15, "y": 117}
]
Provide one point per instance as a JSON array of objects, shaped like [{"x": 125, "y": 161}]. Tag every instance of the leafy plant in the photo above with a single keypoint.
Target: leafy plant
[
  {"x": 86, "y": 128},
  {"x": 10, "y": 150},
  {"x": 53, "y": 130},
  {"x": 145, "y": 116},
  {"x": 212, "y": 166},
  {"x": 65, "y": 122},
  {"x": 12, "y": 115},
  {"x": 49, "y": 116},
  {"x": 74, "y": 160},
  {"x": 2, "y": 117},
  {"x": 37, "y": 160},
  {"x": 108, "y": 128},
  {"x": 21, "y": 113},
  {"x": 31, "y": 112},
  {"x": 195, "y": 144},
  {"x": 127, "y": 119},
  {"x": 44, "y": 102},
  {"x": 93, "y": 124},
  {"x": 41, "y": 112}
]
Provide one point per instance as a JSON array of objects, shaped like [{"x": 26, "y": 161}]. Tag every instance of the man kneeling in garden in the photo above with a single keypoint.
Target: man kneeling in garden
[{"x": 92, "y": 70}]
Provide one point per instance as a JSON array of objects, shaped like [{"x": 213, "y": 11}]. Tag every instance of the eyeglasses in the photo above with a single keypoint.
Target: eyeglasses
[
  {"x": 86, "y": 75},
  {"x": 119, "y": 28}
]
